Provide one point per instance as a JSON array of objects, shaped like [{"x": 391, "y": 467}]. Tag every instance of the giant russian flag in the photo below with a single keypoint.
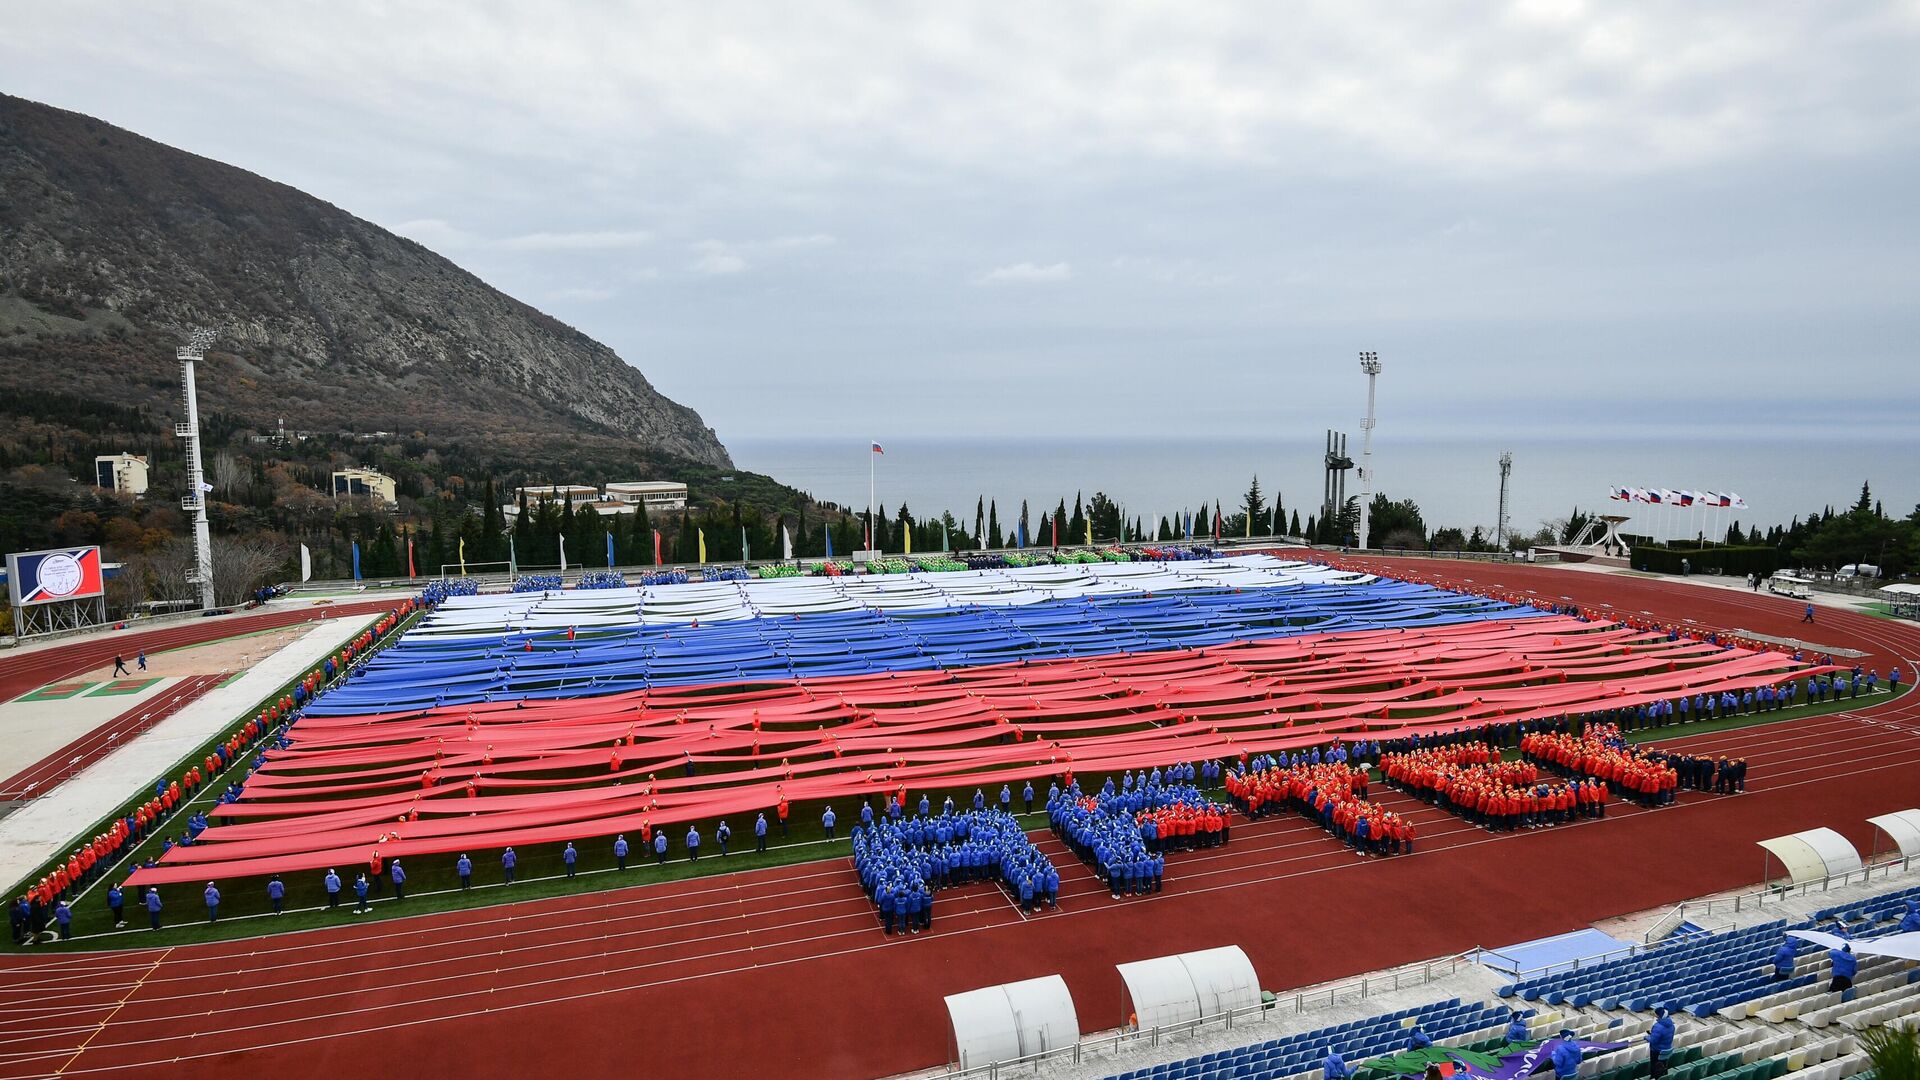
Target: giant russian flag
[{"x": 490, "y": 724}]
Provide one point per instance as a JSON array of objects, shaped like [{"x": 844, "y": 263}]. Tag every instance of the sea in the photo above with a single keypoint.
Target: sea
[{"x": 1455, "y": 482}]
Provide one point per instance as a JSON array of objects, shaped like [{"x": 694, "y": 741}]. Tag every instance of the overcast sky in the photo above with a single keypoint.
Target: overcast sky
[{"x": 1106, "y": 218}]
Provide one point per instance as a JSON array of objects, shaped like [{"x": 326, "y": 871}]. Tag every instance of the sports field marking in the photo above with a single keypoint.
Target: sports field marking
[
  {"x": 122, "y": 687},
  {"x": 57, "y": 692}
]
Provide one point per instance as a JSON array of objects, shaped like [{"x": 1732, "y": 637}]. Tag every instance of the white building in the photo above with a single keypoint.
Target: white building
[
  {"x": 555, "y": 493},
  {"x": 366, "y": 482},
  {"x": 123, "y": 473},
  {"x": 655, "y": 495}
]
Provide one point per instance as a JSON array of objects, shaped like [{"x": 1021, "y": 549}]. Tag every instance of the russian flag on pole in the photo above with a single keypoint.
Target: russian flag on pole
[
  {"x": 1653, "y": 495},
  {"x": 1686, "y": 497},
  {"x": 877, "y": 450}
]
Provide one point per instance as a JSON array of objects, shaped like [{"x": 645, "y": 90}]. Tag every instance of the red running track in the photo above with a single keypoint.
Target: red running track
[
  {"x": 785, "y": 972},
  {"x": 26, "y": 672},
  {"x": 82, "y": 752}
]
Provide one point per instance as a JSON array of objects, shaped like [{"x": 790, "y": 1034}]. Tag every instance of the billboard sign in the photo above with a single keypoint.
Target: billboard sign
[{"x": 46, "y": 577}]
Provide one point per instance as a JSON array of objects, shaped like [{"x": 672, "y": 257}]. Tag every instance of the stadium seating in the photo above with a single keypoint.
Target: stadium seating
[
  {"x": 1452, "y": 1022},
  {"x": 1707, "y": 974},
  {"x": 1743, "y": 1025}
]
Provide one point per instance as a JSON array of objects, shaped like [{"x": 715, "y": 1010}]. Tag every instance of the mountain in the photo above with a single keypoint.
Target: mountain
[{"x": 112, "y": 244}]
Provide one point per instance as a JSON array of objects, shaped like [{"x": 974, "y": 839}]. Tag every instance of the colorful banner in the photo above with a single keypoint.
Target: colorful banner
[{"x": 46, "y": 577}]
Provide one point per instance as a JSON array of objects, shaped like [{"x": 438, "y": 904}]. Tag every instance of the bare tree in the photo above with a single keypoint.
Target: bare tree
[
  {"x": 241, "y": 564},
  {"x": 227, "y": 472}
]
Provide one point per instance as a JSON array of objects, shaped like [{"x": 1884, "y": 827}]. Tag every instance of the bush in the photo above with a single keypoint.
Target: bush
[{"x": 1727, "y": 560}]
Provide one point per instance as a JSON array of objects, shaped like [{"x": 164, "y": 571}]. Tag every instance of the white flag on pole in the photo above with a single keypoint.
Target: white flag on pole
[
  {"x": 563, "y": 553},
  {"x": 306, "y": 563},
  {"x": 786, "y": 543}
]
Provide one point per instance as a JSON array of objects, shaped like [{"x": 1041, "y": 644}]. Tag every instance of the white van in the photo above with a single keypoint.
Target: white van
[
  {"x": 1789, "y": 584},
  {"x": 1853, "y": 571}
]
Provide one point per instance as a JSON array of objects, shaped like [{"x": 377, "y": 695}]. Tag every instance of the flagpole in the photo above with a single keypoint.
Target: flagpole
[{"x": 870, "y": 494}]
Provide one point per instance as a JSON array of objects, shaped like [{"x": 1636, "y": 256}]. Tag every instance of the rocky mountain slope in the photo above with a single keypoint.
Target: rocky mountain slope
[{"x": 111, "y": 244}]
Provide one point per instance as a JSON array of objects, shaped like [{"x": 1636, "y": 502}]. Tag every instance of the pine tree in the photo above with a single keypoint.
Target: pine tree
[
  {"x": 994, "y": 538},
  {"x": 493, "y": 539},
  {"x": 1865, "y": 503},
  {"x": 1253, "y": 503},
  {"x": 980, "y": 516},
  {"x": 1166, "y": 531},
  {"x": 1294, "y": 528}
]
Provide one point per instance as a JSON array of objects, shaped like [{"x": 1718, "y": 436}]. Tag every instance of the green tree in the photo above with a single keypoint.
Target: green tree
[
  {"x": 1253, "y": 504},
  {"x": 994, "y": 539}
]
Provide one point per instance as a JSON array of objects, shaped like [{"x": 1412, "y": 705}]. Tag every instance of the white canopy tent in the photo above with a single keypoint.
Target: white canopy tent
[
  {"x": 1812, "y": 855},
  {"x": 1903, "y": 828},
  {"x": 1170, "y": 990},
  {"x": 1012, "y": 1020}
]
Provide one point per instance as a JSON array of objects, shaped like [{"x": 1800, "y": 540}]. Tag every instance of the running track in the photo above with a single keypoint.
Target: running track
[
  {"x": 101, "y": 741},
  {"x": 25, "y": 672},
  {"x": 785, "y": 972}
]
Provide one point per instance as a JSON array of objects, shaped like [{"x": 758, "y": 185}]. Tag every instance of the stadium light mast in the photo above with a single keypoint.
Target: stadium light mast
[
  {"x": 195, "y": 500},
  {"x": 1506, "y": 471},
  {"x": 1369, "y": 363}
]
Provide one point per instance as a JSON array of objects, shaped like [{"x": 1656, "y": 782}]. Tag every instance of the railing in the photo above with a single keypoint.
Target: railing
[
  {"x": 1773, "y": 894},
  {"x": 1284, "y": 1005}
]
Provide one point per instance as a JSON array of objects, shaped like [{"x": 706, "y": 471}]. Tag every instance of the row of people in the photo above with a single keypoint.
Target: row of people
[{"x": 1493, "y": 794}]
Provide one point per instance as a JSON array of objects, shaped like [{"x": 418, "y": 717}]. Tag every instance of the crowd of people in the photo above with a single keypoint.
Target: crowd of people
[
  {"x": 903, "y": 861},
  {"x": 443, "y": 588},
  {"x": 601, "y": 579},
  {"x": 1124, "y": 830},
  {"x": 1471, "y": 781},
  {"x": 1601, "y": 752},
  {"x": 1331, "y": 793},
  {"x": 526, "y": 583}
]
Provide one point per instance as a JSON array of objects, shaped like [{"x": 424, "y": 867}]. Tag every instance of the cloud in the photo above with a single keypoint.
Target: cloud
[
  {"x": 581, "y": 294},
  {"x": 576, "y": 241},
  {"x": 437, "y": 234},
  {"x": 716, "y": 259},
  {"x": 1026, "y": 272}
]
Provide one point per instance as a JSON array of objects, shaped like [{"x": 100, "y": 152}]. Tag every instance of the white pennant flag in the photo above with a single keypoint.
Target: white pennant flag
[
  {"x": 786, "y": 543},
  {"x": 563, "y": 554},
  {"x": 306, "y": 563}
]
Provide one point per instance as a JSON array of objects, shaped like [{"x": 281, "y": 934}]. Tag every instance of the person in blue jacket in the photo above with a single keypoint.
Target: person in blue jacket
[
  {"x": 693, "y": 843},
  {"x": 826, "y": 822},
  {"x": 153, "y": 908},
  {"x": 1418, "y": 1039},
  {"x": 1783, "y": 961},
  {"x": 660, "y": 845},
  {"x": 1845, "y": 966},
  {"x": 276, "y": 892},
  {"x": 399, "y": 879},
  {"x": 63, "y": 918},
  {"x": 722, "y": 834},
  {"x": 509, "y": 860},
  {"x": 1333, "y": 1066},
  {"x": 1659, "y": 1044},
  {"x": 360, "y": 895},
  {"x": 1910, "y": 922},
  {"x": 1027, "y": 794},
  {"x": 569, "y": 856},
  {"x": 117, "y": 905},
  {"x": 760, "y": 833},
  {"x": 332, "y": 882},
  {"x": 1566, "y": 1056},
  {"x": 620, "y": 851},
  {"x": 1517, "y": 1030},
  {"x": 463, "y": 866}
]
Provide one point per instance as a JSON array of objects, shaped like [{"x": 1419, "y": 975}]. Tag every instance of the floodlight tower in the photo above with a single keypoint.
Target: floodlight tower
[
  {"x": 1369, "y": 363},
  {"x": 195, "y": 500},
  {"x": 1506, "y": 471}
]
